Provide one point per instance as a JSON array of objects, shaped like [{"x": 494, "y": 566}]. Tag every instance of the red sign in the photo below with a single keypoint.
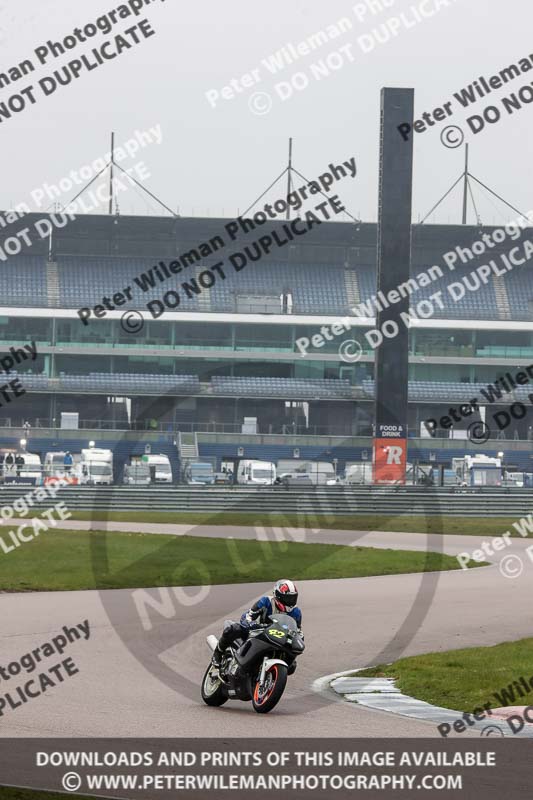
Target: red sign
[{"x": 390, "y": 460}]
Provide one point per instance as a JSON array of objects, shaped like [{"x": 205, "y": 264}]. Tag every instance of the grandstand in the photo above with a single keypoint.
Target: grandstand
[{"x": 230, "y": 353}]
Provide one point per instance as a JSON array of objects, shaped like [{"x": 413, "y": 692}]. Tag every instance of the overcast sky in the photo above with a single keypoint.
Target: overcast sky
[{"x": 215, "y": 161}]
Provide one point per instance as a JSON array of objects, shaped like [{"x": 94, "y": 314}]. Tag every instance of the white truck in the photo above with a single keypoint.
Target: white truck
[
  {"x": 312, "y": 473},
  {"x": 96, "y": 467},
  {"x": 54, "y": 468},
  {"x": 478, "y": 470},
  {"x": 159, "y": 466},
  {"x": 199, "y": 473},
  {"x": 136, "y": 474},
  {"x": 258, "y": 473},
  {"x": 32, "y": 470},
  {"x": 360, "y": 473}
]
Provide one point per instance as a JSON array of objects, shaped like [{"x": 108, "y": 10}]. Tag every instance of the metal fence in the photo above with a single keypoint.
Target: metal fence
[{"x": 482, "y": 502}]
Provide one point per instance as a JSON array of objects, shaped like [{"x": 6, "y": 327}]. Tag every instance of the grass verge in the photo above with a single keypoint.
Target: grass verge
[
  {"x": 364, "y": 522},
  {"x": 464, "y": 679},
  {"x": 69, "y": 560}
]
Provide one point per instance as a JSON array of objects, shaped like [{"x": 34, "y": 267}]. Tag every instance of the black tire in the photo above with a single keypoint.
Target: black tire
[
  {"x": 266, "y": 703},
  {"x": 213, "y": 695}
]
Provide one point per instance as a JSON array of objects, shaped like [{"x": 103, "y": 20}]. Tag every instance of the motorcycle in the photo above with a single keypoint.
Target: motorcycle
[{"x": 257, "y": 668}]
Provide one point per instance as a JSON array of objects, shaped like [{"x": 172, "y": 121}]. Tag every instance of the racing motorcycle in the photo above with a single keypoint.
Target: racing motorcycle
[{"x": 257, "y": 668}]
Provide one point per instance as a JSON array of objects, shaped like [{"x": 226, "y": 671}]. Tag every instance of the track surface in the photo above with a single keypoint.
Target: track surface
[{"x": 348, "y": 623}]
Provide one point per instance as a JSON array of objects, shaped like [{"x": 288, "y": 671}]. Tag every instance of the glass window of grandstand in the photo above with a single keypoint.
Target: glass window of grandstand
[
  {"x": 72, "y": 331},
  {"x": 324, "y": 345},
  {"x": 442, "y": 343},
  {"x": 505, "y": 344},
  {"x": 315, "y": 369},
  {"x": 263, "y": 337},
  {"x": 17, "y": 331},
  {"x": 442, "y": 373},
  {"x": 82, "y": 365},
  {"x": 154, "y": 334},
  {"x": 203, "y": 336},
  {"x": 143, "y": 364},
  {"x": 38, "y": 367}
]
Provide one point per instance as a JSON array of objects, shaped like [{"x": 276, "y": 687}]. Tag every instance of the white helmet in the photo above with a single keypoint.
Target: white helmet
[{"x": 285, "y": 595}]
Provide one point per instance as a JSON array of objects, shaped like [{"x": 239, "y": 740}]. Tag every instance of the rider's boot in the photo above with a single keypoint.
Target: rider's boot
[{"x": 216, "y": 658}]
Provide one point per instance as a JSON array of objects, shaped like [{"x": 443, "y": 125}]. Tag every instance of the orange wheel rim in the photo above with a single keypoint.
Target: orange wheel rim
[{"x": 264, "y": 698}]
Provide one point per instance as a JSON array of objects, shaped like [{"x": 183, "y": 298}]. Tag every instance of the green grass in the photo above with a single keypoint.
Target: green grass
[
  {"x": 61, "y": 560},
  {"x": 494, "y": 526},
  {"x": 463, "y": 679}
]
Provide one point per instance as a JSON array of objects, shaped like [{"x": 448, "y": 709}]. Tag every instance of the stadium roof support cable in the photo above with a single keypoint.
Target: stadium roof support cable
[
  {"x": 465, "y": 175},
  {"x": 290, "y": 169},
  {"x": 264, "y": 193},
  {"x": 478, "y": 218},
  {"x": 110, "y": 165},
  {"x": 466, "y": 188},
  {"x": 444, "y": 196},
  {"x": 62, "y": 208},
  {"x": 357, "y": 221},
  {"x": 289, "y": 179},
  {"x": 153, "y": 196},
  {"x": 498, "y": 196}
]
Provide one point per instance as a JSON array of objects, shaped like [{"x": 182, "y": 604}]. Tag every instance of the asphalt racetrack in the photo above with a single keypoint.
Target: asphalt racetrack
[{"x": 348, "y": 623}]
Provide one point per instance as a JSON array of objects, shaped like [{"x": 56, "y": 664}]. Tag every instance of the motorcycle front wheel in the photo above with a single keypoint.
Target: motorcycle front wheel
[
  {"x": 213, "y": 690},
  {"x": 267, "y": 696}
]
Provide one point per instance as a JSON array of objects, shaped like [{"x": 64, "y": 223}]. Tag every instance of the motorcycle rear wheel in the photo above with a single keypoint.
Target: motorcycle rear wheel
[
  {"x": 264, "y": 701},
  {"x": 213, "y": 690}
]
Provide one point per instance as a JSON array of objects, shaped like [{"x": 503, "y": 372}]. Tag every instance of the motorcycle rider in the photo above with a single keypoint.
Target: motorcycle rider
[{"x": 282, "y": 601}]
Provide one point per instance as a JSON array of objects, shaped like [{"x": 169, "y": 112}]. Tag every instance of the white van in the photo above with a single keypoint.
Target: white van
[
  {"x": 96, "y": 466},
  {"x": 54, "y": 468},
  {"x": 32, "y": 470},
  {"x": 163, "y": 470},
  {"x": 136, "y": 474},
  {"x": 260, "y": 473},
  {"x": 360, "y": 473}
]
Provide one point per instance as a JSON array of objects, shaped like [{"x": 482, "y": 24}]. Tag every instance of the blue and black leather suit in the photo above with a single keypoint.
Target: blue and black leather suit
[{"x": 259, "y": 614}]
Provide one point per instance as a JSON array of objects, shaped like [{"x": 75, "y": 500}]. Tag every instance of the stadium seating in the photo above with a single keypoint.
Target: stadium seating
[
  {"x": 101, "y": 382},
  {"x": 23, "y": 281},
  {"x": 84, "y": 280},
  {"x": 451, "y": 392},
  {"x": 282, "y": 387},
  {"x": 314, "y": 288}
]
